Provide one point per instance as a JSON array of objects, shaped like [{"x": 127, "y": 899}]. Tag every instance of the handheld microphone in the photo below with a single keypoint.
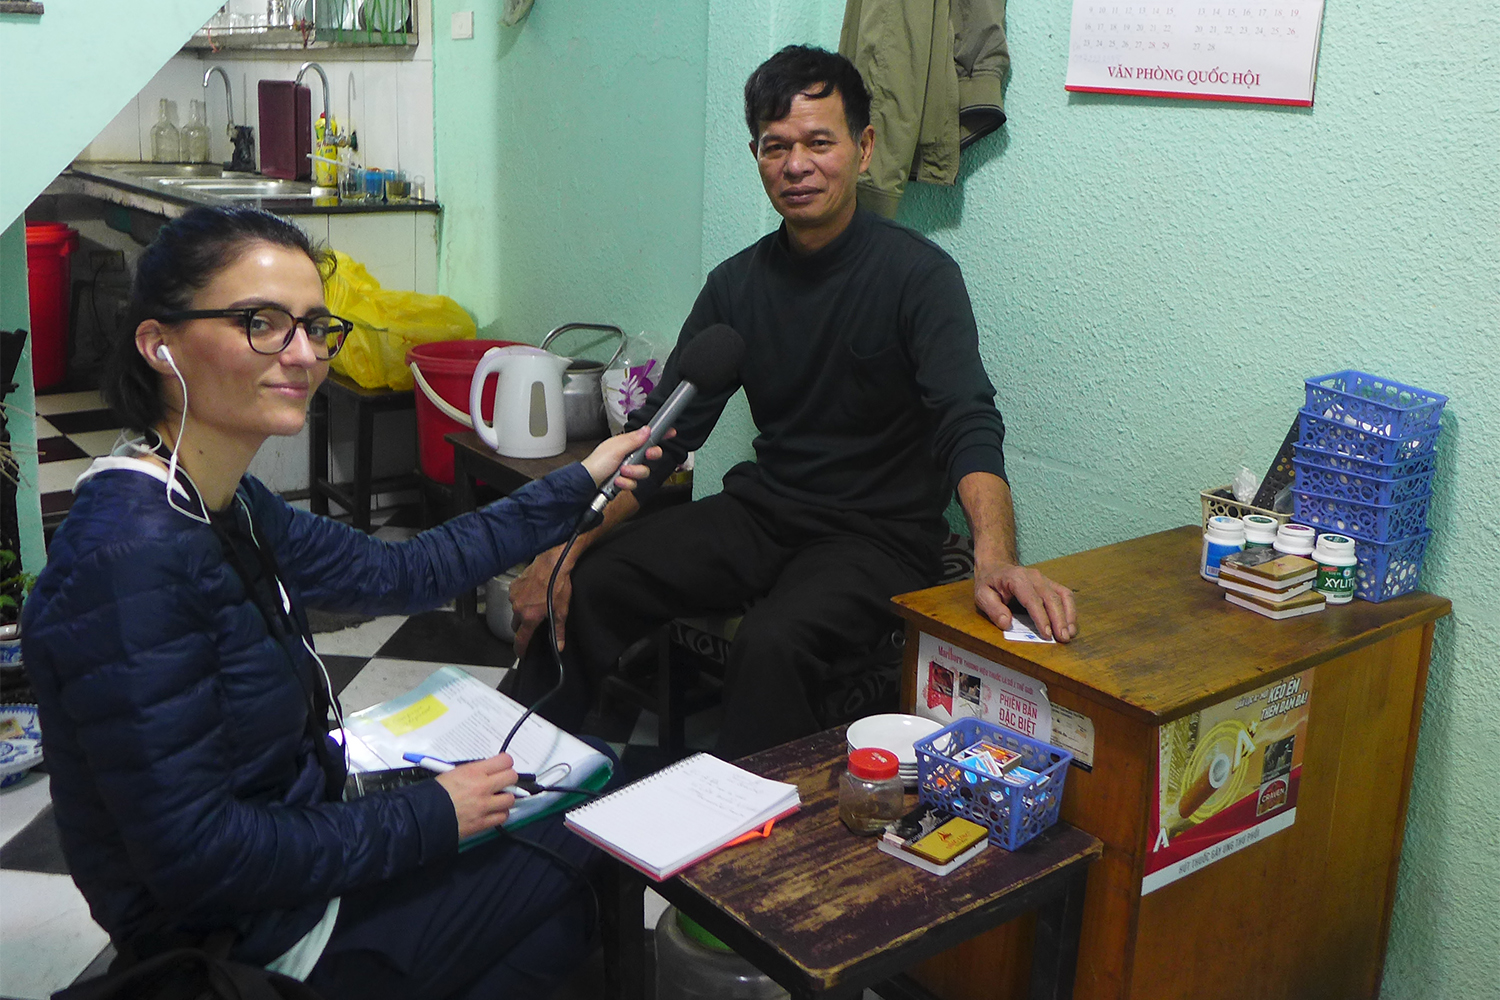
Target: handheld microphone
[{"x": 710, "y": 362}]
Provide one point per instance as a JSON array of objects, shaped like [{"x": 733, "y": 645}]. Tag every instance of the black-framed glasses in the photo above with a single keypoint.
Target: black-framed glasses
[{"x": 270, "y": 329}]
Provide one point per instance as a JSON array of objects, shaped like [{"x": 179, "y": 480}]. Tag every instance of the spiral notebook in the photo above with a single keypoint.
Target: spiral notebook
[{"x": 682, "y": 814}]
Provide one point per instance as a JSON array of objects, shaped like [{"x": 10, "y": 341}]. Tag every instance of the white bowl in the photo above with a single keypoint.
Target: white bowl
[{"x": 895, "y": 733}]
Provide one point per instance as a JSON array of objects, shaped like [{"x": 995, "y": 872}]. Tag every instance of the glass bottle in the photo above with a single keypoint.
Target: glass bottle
[
  {"x": 166, "y": 141},
  {"x": 195, "y": 134}
]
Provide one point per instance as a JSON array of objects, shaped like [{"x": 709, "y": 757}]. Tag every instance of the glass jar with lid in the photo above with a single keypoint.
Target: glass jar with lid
[{"x": 870, "y": 791}]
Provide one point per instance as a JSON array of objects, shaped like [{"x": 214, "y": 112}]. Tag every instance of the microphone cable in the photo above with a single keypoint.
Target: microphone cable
[
  {"x": 710, "y": 363},
  {"x": 552, "y": 641}
]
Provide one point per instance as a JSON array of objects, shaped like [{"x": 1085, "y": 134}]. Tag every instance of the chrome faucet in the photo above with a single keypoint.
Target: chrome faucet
[
  {"x": 241, "y": 137},
  {"x": 329, "y": 135},
  {"x": 228, "y": 92}
]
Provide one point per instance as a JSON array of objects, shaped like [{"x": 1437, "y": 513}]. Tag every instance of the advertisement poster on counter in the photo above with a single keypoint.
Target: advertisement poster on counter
[
  {"x": 954, "y": 683},
  {"x": 1227, "y": 777}
]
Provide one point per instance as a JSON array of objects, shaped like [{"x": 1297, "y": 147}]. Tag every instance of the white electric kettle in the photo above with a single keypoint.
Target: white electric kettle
[{"x": 529, "y": 417}]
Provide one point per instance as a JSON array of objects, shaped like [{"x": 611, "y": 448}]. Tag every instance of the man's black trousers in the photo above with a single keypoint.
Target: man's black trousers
[{"x": 816, "y": 582}]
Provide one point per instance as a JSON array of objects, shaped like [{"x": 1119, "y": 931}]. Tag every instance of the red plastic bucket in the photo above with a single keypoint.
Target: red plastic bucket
[
  {"x": 448, "y": 366},
  {"x": 49, "y": 281}
]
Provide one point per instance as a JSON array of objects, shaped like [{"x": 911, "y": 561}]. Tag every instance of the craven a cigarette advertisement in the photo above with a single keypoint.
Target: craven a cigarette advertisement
[
  {"x": 953, "y": 683},
  {"x": 1227, "y": 777}
]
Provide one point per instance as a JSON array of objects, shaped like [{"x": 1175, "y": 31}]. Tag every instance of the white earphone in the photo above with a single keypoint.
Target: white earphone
[{"x": 201, "y": 516}]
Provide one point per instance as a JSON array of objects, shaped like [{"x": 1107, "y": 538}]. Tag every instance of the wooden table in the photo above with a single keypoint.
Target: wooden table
[
  {"x": 366, "y": 403},
  {"x": 826, "y": 914},
  {"x": 1302, "y": 913}
]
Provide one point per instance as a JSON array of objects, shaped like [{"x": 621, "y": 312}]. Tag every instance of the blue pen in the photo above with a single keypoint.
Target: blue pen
[
  {"x": 527, "y": 785},
  {"x": 434, "y": 764}
]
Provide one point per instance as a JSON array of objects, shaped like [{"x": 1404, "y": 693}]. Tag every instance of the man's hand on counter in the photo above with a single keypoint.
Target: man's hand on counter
[{"x": 1050, "y": 604}]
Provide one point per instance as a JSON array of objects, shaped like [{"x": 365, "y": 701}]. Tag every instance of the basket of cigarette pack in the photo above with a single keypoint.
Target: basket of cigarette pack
[{"x": 1009, "y": 783}]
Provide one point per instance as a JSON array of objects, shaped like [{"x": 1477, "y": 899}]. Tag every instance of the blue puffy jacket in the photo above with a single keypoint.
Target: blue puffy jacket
[{"x": 185, "y": 784}]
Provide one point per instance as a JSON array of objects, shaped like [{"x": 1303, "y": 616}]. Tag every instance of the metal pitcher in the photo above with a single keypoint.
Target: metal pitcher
[{"x": 583, "y": 388}]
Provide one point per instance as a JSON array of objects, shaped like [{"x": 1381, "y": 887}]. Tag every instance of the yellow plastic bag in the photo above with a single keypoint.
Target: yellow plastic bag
[{"x": 387, "y": 324}]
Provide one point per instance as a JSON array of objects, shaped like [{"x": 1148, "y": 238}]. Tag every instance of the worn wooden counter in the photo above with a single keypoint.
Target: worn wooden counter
[{"x": 1304, "y": 912}]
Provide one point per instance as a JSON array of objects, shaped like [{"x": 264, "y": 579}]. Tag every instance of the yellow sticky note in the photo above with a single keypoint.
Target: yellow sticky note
[{"x": 414, "y": 716}]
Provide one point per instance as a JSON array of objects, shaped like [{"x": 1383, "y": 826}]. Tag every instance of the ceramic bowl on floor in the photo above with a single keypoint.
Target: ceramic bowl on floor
[{"x": 20, "y": 742}]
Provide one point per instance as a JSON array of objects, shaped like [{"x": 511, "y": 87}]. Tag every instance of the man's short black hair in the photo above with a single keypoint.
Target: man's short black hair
[{"x": 804, "y": 69}]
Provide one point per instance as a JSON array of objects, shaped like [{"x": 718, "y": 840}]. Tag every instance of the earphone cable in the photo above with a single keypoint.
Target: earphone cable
[{"x": 165, "y": 354}]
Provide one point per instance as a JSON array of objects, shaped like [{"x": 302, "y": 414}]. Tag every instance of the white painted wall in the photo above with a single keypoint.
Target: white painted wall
[
  {"x": 387, "y": 101},
  {"x": 66, "y": 73}
]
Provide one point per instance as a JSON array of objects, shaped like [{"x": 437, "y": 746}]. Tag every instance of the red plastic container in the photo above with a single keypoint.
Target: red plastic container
[
  {"x": 49, "y": 245},
  {"x": 448, "y": 366}
]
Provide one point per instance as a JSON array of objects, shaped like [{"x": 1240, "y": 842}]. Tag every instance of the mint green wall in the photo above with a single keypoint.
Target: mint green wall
[
  {"x": 68, "y": 72},
  {"x": 1152, "y": 279},
  {"x": 20, "y": 405},
  {"x": 570, "y": 158},
  {"x": 1155, "y": 279},
  {"x": 65, "y": 74}
]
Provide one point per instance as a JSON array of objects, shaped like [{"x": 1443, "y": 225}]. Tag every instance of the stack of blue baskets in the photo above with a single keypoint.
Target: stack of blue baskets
[{"x": 1365, "y": 453}]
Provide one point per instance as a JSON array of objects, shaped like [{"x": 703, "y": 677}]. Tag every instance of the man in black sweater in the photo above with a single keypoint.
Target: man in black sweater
[{"x": 863, "y": 376}]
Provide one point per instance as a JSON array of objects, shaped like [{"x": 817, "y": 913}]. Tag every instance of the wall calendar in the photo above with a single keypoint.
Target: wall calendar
[{"x": 1264, "y": 53}]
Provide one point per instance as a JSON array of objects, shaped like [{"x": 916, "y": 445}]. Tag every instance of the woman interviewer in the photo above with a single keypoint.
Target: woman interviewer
[{"x": 186, "y": 713}]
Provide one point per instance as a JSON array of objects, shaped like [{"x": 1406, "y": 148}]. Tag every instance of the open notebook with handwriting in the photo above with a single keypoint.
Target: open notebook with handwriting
[{"x": 680, "y": 815}]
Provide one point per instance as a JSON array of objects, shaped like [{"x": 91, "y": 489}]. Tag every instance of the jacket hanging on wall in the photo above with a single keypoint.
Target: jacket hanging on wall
[{"x": 936, "y": 72}]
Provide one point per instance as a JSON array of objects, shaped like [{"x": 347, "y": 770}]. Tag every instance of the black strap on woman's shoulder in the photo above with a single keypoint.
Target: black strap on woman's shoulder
[{"x": 284, "y": 628}]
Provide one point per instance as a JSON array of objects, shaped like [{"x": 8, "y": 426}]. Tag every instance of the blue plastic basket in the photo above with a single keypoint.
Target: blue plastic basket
[
  {"x": 1417, "y": 465},
  {"x": 1379, "y": 405},
  {"x": 1012, "y": 813},
  {"x": 1347, "y": 486},
  {"x": 1373, "y": 521},
  {"x": 1388, "y": 569},
  {"x": 1314, "y": 431}
]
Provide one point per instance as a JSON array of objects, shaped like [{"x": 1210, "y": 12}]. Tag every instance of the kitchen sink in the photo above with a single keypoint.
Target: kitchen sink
[
  {"x": 165, "y": 170},
  {"x": 236, "y": 187},
  {"x": 207, "y": 182}
]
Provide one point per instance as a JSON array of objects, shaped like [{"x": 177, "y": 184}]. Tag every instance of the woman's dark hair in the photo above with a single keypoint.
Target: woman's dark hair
[
  {"x": 804, "y": 69},
  {"x": 186, "y": 255}
]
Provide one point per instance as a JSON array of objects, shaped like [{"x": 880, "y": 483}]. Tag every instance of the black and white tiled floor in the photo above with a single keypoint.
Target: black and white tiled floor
[
  {"x": 72, "y": 429},
  {"x": 47, "y": 938}
]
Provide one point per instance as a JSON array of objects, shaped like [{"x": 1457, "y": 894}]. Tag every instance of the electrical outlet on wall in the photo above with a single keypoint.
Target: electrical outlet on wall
[{"x": 462, "y": 24}]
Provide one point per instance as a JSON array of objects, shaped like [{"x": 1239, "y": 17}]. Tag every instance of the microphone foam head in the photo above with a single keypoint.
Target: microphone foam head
[{"x": 711, "y": 360}]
